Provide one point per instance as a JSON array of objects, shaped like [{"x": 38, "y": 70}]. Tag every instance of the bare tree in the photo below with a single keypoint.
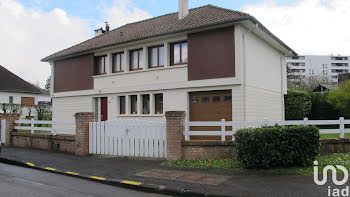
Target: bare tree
[{"x": 308, "y": 82}]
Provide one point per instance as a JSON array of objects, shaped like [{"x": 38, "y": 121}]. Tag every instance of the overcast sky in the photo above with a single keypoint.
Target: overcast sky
[{"x": 34, "y": 29}]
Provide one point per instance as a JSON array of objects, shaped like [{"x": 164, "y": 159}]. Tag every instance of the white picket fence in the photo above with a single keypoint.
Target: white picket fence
[
  {"x": 2, "y": 131},
  {"x": 237, "y": 125},
  {"x": 57, "y": 127},
  {"x": 133, "y": 138}
]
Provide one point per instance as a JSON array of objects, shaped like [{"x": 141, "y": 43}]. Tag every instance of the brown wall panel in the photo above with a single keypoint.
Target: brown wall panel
[
  {"x": 74, "y": 74},
  {"x": 211, "y": 54}
]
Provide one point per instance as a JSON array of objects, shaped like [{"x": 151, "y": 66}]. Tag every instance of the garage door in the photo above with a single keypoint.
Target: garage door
[
  {"x": 27, "y": 101},
  {"x": 210, "y": 106}
]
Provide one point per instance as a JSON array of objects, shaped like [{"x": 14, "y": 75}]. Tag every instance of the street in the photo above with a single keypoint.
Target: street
[{"x": 17, "y": 181}]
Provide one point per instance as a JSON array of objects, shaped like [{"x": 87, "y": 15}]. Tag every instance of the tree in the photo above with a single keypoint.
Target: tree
[
  {"x": 48, "y": 83},
  {"x": 308, "y": 83},
  {"x": 340, "y": 99},
  {"x": 43, "y": 112},
  {"x": 297, "y": 104}
]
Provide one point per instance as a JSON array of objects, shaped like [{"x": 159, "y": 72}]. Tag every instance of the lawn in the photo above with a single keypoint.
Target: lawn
[
  {"x": 232, "y": 164},
  {"x": 326, "y": 136}
]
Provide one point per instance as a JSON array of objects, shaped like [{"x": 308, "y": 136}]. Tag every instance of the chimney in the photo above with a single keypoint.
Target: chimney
[
  {"x": 183, "y": 9},
  {"x": 107, "y": 26},
  {"x": 99, "y": 32}
]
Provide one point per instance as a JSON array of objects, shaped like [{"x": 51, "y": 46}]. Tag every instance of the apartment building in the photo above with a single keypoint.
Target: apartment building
[
  {"x": 211, "y": 62},
  {"x": 316, "y": 65}
]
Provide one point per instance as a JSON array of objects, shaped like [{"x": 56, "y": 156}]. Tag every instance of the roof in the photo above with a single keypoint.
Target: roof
[
  {"x": 10, "y": 82},
  {"x": 200, "y": 17},
  {"x": 327, "y": 86}
]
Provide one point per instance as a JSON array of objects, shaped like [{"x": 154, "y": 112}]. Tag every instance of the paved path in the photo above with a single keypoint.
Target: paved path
[
  {"x": 239, "y": 183},
  {"x": 17, "y": 181}
]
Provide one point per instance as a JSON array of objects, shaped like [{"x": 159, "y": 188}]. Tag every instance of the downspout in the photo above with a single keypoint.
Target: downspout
[
  {"x": 244, "y": 71},
  {"x": 282, "y": 95}
]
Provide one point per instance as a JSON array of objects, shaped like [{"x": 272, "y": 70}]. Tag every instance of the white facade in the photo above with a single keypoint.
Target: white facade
[
  {"x": 258, "y": 87},
  {"x": 314, "y": 65},
  {"x": 5, "y": 97}
]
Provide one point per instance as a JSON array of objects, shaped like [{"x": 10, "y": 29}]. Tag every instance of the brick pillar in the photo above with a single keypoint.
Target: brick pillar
[
  {"x": 174, "y": 129},
  {"x": 10, "y": 125},
  {"x": 82, "y": 132}
]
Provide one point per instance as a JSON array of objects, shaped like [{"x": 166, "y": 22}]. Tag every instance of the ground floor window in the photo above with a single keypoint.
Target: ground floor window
[
  {"x": 122, "y": 108},
  {"x": 145, "y": 104},
  {"x": 158, "y": 103},
  {"x": 133, "y": 104}
]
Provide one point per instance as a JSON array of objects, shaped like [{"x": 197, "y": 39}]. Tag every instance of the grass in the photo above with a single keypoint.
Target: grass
[
  {"x": 232, "y": 164},
  {"x": 335, "y": 135}
]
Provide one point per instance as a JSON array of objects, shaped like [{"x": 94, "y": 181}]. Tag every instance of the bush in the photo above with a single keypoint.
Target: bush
[
  {"x": 340, "y": 99},
  {"x": 321, "y": 109},
  {"x": 277, "y": 146},
  {"x": 297, "y": 104}
]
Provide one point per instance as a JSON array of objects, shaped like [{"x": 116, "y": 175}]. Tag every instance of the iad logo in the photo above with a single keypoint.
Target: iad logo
[{"x": 335, "y": 191}]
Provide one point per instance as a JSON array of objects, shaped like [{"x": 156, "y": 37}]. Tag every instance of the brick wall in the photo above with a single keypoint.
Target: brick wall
[
  {"x": 329, "y": 146},
  {"x": 62, "y": 143},
  {"x": 202, "y": 150}
]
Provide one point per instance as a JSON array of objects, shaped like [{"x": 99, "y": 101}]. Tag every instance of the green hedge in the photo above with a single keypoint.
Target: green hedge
[
  {"x": 297, "y": 104},
  {"x": 277, "y": 146},
  {"x": 321, "y": 109}
]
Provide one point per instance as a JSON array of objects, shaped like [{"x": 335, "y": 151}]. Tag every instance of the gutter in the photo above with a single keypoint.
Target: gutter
[
  {"x": 251, "y": 18},
  {"x": 282, "y": 95}
]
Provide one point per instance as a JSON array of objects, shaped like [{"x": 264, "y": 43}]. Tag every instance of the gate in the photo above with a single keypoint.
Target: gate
[
  {"x": 133, "y": 138},
  {"x": 2, "y": 131}
]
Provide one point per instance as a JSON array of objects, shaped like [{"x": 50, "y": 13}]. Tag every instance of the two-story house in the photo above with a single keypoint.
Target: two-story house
[{"x": 211, "y": 62}]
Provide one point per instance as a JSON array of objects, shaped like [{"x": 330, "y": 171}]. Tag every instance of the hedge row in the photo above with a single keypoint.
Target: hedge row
[{"x": 277, "y": 146}]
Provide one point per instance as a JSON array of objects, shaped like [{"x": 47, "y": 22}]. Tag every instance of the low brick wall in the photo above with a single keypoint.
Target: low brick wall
[
  {"x": 63, "y": 143},
  {"x": 207, "y": 150},
  {"x": 329, "y": 146}
]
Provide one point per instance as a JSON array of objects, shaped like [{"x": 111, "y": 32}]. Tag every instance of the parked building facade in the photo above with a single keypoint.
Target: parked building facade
[
  {"x": 315, "y": 65},
  {"x": 212, "y": 63}
]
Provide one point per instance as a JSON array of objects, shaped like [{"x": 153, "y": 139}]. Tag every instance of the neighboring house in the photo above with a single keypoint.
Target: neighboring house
[
  {"x": 15, "y": 90},
  {"x": 316, "y": 65},
  {"x": 324, "y": 88},
  {"x": 211, "y": 62}
]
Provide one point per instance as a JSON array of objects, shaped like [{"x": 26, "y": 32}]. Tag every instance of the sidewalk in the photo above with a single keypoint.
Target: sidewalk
[{"x": 113, "y": 168}]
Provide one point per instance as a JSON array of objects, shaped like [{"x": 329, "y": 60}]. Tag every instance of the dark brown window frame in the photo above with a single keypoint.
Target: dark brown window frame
[
  {"x": 172, "y": 53},
  {"x": 155, "y": 104},
  {"x": 150, "y": 56},
  {"x": 138, "y": 59},
  {"x": 121, "y": 65},
  {"x": 104, "y": 65},
  {"x": 120, "y": 105}
]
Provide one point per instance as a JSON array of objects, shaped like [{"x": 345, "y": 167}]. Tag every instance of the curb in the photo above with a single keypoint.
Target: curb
[{"x": 149, "y": 188}]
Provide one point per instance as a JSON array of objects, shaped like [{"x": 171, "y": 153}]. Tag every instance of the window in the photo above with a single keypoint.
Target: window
[
  {"x": 118, "y": 62},
  {"x": 145, "y": 104},
  {"x": 133, "y": 104},
  {"x": 195, "y": 100},
  {"x": 179, "y": 53},
  {"x": 156, "y": 56},
  {"x": 100, "y": 65},
  {"x": 158, "y": 103},
  {"x": 228, "y": 98},
  {"x": 122, "y": 109},
  {"x": 205, "y": 99},
  {"x": 11, "y": 99},
  {"x": 136, "y": 59},
  {"x": 216, "y": 99}
]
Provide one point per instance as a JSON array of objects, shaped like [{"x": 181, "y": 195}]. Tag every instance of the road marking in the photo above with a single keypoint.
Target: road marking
[
  {"x": 72, "y": 173},
  {"x": 51, "y": 169},
  {"x": 30, "y": 164},
  {"x": 131, "y": 183},
  {"x": 98, "y": 178}
]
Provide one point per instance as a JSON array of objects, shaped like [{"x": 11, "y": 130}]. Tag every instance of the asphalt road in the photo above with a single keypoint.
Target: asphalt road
[{"x": 24, "y": 182}]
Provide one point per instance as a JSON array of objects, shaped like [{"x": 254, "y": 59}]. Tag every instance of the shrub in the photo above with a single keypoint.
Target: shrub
[
  {"x": 321, "y": 109},
  {"x": 277, "y": 146},
  {"x": 340, "y": 99},
  {"x": 297, "y": 104}
]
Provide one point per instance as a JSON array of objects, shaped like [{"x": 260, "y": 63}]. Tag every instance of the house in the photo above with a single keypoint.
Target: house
[
  {"x": 212, "y": 62},
  {"x": 14, "y": 90},
  {"x": 324, "y": 88}
]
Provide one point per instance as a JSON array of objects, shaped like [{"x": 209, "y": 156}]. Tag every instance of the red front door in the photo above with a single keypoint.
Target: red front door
[{"x": 104, "y": 110}]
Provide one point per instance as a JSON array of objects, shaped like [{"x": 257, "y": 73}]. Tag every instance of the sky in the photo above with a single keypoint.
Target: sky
[{"x": 34, "y": 29}]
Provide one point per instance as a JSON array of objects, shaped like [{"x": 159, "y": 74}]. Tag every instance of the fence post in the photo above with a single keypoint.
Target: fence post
[
  {"x": 32, "y": 126},
  {"x": 10, "y": 125},
  {"x": 174, "y": 133},
  {"x": 53, "y": 128},
  {"x": 266, "y": 122},
  {"x": 223, "y": 130},
  {"x": 342, "y": 127},
  {"x": 82, "y": 132},
  {"x": 305, "y": 121}
]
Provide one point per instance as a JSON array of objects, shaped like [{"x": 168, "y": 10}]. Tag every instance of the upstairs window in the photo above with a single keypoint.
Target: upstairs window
[
  {"x": 136, "y": 59},
  {"x": 179, "y": 53},
  {"x": 100, "y": 65},
  {"x": 118, "y": 62},
  {"x": 156, "y": 56},
  {"x": 158, "y": 99}
]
